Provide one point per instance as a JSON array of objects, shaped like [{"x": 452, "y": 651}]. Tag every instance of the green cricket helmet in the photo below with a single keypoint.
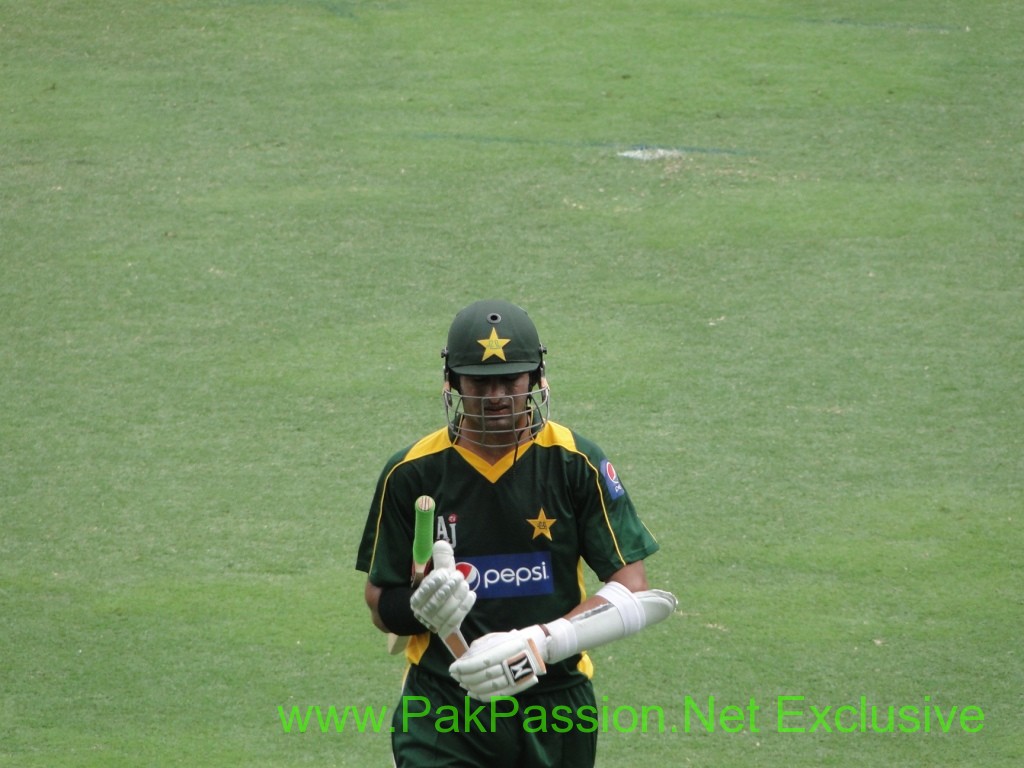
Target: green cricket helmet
[{"x": 493, "y": 338}]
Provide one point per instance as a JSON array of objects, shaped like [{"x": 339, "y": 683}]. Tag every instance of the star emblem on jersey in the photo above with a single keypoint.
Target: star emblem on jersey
[
  {"x": 493, "y": 346},
  {"x": 542, "y": 525}
]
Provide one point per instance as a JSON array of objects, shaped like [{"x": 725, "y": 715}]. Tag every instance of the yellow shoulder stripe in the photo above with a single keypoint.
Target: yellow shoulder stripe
[
  {"x": 432, "y": 443},
  {"x": 555, "y": 434}
]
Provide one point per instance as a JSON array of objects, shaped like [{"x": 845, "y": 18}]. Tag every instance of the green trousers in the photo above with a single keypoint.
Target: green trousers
[{"x": 436, "y": 725}]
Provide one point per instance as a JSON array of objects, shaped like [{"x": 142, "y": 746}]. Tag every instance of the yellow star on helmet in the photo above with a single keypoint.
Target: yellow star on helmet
[
  {"x": 493, "y": 346},
  {"x": 542, "y": 525}
]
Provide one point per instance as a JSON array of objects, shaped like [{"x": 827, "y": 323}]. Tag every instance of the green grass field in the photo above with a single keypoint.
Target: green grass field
[{"x": 233, "y": 234}]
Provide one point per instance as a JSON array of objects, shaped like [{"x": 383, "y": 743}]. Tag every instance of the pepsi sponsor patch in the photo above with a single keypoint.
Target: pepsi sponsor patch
[
  {"x": 611, "y": 480},
  {"x": 525, "y": 574}
]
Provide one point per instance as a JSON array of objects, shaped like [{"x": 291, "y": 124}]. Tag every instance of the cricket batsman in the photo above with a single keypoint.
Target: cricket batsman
[{"x": 509, "y": 506}]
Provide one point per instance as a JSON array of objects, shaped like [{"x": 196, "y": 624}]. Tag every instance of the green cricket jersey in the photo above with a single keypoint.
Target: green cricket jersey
[{"x": 521, "y": 530}]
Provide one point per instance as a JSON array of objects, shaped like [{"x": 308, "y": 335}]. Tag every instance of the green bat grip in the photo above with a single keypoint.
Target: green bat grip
[{"x": 423, "y": 533}]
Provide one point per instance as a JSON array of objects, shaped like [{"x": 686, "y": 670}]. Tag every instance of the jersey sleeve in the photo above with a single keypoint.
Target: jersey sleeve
[
  {"x": 612, "y": 533},
  {"x": 385, "y": 550}
]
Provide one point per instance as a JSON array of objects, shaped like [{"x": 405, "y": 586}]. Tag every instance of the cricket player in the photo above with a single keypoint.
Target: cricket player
[{"x": 520, "y": 504}]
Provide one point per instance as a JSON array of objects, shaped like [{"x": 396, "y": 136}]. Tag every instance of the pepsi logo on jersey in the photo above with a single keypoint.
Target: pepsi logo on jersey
[
  {"x": 611, "y": 480},
  {"x": 523, "y": 574}
]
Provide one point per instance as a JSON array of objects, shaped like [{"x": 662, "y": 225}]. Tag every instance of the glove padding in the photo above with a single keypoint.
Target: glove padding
[
  {"x": 507, "y": 663},
  {"x": 443, "y": 598},
  {"x": 499, "y": 664}
]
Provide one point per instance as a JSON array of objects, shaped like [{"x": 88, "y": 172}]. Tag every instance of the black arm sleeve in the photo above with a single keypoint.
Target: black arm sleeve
[{"x": 396, "y": 612}]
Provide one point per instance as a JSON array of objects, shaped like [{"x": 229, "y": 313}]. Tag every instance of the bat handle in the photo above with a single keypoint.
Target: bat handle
[{"x": 456, "y": 643}]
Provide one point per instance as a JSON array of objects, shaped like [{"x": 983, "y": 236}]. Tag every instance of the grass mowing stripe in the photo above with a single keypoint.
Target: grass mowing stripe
[
  {"x": 572, "y": 143},
  {"x": 837, "y": 21}
]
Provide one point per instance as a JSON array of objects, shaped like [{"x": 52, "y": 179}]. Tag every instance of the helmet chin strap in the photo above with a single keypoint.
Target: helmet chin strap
[{"x": 474, "y": 428}]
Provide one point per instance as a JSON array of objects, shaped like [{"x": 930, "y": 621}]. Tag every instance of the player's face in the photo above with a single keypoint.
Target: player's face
[{"x": 496, "y": 404}]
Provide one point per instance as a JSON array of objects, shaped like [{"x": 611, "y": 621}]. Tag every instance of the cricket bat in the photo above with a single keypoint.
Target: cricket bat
[
  {"x": 422, "y": 544},
  {"x": 422, "y": 550}
]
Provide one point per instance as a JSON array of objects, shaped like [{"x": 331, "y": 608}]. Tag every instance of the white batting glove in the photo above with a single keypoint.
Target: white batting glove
[
  {"x": 444, "y": 598},
  {"x": 499, "y": 664}
]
